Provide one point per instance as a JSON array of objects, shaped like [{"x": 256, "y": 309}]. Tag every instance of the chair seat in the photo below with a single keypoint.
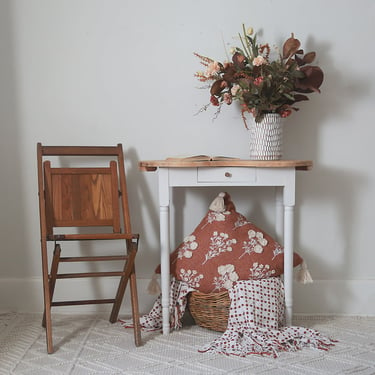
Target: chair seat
[{"x": 93, "y": 236}]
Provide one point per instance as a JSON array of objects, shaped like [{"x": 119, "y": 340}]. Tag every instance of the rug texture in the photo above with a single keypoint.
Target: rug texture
[{"x": 89, "y": 344}]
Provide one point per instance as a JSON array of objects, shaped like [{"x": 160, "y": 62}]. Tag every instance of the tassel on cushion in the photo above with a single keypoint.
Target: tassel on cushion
[
  {"x": 154, "y": 287},
  {"x": 304, "y": 275},
  {"x": 218, "y": 204}
]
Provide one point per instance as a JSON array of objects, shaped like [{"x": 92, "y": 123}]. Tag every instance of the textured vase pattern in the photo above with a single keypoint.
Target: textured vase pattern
[{"x": 266, "y": 138}]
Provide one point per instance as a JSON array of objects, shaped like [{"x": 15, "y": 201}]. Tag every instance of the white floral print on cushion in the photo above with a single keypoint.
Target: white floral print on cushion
[
  {"x": 219, "y": 243},
  {"x": 261, "y": 271},
  {"x": 191, "y": 277},
  {"x": 255, "y": 244},
  {"x": 187, "y": 247},
  {"x": 227, "y": 277},
  {"x": 224, "y": 238}
]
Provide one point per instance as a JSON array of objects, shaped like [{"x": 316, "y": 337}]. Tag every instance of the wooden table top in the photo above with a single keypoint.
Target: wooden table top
[{"x": 152, "y": 165}]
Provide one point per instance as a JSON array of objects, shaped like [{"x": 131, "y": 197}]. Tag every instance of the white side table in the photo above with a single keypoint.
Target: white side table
[{"x": 179, "y": 173}]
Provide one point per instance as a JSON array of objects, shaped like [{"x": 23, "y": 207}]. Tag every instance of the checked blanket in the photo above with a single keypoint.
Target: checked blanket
[{"x": 255, "y": 323}]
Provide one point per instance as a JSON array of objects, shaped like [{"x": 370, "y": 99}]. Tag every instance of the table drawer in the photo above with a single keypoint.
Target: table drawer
[{"x": 226, "y": 174}]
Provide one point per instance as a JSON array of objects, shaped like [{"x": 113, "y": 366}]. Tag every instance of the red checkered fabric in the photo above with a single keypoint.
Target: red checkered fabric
[{"x": 255, "y": 323}]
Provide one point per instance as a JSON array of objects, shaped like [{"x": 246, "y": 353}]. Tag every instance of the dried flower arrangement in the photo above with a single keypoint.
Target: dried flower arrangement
[{"x": 261, "y": 85}]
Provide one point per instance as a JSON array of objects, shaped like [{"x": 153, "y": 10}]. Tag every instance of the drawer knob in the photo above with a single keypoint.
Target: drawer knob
[{"x": 228, "y": 174}]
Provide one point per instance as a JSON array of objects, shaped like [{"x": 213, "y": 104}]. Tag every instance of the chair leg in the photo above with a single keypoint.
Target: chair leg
[
  {"x": 129, "y": 273},
  {"x": 47, "y": 298},
  {"x": 118, "y": 299},
  {"x": 53, "y": 276},
  {"x": 135, "y": 309},
  {"x": 122, "y": 286}
]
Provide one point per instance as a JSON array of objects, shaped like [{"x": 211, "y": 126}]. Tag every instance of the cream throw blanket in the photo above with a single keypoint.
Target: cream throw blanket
[{"x": 255, "y": 324}]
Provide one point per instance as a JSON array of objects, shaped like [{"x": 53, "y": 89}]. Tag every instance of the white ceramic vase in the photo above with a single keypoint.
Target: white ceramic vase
[{"x": 266, "y": 138}]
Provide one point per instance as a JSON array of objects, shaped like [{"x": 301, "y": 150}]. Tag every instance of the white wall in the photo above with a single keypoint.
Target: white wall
[{"x": 107, "y": 71}]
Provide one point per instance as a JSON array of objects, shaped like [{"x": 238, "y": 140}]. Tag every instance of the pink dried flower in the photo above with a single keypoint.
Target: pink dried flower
[
  {"x": 212, "y": 69},
  {"x": 235, "y": 89},
  {"x": 214, "y": 100},
  {"x": 227, "y": 98},
  {"x": 258, "y": 80},
  {"x": 259, "y": 60},
  {"x": 286, "y": 113}
]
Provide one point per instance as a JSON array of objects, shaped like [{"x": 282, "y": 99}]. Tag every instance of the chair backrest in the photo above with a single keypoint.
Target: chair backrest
[{"x": 82, "y": 196}]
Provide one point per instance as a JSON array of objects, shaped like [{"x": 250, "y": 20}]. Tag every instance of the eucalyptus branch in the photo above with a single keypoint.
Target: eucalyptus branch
[{"x": 246, "y": 47}]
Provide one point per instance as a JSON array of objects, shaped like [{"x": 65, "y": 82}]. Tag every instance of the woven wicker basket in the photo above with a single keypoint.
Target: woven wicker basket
[{"x": 210, "y": 310}]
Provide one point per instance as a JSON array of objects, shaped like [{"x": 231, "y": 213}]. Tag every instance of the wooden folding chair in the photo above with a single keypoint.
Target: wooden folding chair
[{"x": 72, "y": 201}]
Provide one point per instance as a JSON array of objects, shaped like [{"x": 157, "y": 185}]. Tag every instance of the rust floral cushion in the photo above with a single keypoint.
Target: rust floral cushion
[{"x": 226, "y": 247}]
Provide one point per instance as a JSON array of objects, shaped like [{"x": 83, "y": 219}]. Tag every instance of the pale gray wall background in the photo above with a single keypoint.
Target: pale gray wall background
[{"x": 108, "y": 71}]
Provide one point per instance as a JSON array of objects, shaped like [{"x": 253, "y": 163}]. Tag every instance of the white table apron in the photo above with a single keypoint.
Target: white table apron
[{"x": 282, "y": 178}]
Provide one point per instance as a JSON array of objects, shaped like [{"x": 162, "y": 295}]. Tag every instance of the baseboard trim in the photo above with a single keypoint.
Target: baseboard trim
[
  {"x": 26, "y": 295},
  {"x": 335, "y": 297},
  {"x": 323, "y": 297}
]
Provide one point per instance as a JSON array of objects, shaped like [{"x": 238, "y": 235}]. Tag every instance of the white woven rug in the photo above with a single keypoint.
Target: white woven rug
[{"x": 87, "y": 344}]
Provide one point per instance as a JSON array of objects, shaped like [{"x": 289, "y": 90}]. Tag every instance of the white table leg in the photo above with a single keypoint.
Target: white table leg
[
  {"x": 164, "y": 199},
  {"x": 279, "y": 224},
  {"x": 164, "y": 264},
  {"x": 288, "y": 262}
]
